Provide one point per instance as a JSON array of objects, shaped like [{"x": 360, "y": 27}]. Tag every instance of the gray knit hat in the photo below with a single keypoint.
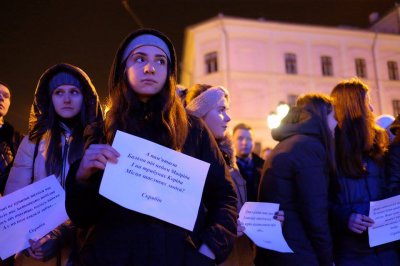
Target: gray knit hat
[
  {"x": 64, "y": 78},
  {"x": 207, "y": 100}
]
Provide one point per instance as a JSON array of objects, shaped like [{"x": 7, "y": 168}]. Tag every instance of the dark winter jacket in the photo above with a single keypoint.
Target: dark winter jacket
[
  {"x": 250, "y": 169},
  {"x": 9, "y": 142},
  {"x": 393, "y": 168},
  {"x": 353, "y": 195},
  {"x": 123, "y": 237},
  {"x": 393, "y": 160},
  {"x": 296, "y": 176}
]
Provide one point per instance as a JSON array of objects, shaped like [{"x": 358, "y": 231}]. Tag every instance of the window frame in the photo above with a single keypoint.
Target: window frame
[
  {"x": 211, "y": 62},
  {"x": 326, "y": 65}
]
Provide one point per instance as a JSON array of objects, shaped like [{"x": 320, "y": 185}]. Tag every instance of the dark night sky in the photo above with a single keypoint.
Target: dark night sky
[{"x": 37, "y": 34}]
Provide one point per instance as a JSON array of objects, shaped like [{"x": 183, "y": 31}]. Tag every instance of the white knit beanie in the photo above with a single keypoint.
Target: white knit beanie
[{"x": 207, "y": 100}]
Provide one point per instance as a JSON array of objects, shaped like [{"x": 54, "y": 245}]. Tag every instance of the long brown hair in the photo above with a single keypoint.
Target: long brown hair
[
  {"x": 358, "y": 134},
  {"x": 167, "y": 110},
  {"x": 320, "y": 106}
]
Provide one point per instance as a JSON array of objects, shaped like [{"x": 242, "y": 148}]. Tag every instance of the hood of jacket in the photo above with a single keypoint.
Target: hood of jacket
[
  {"x": 226, "y": 147},
  {"x": 38, "y": 119},
  {"x": 297, "y": 122}
]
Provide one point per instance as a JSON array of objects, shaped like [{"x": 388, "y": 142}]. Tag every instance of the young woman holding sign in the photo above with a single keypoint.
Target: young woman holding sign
[
  {"x": 211, "y": 104},
  {"x": 143, "y": 102},
  {"x": 65, "y": 102},
  {"x": 361, "y": 146}
]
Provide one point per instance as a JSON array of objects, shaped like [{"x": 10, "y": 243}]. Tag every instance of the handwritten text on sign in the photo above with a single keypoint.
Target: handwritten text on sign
[
  {"x": 154, "y": 180},
  {"x": 261, "y": 228},
  {"x": 30, "y": 213},
  {"x": 386, "y": 216}
]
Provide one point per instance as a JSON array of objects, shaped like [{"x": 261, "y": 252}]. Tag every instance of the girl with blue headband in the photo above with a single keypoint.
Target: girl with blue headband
[{"x": 143, "y": 102}]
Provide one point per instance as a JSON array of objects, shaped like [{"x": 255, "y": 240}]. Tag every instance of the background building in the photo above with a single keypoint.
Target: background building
[{"x": 264, "y": 63}]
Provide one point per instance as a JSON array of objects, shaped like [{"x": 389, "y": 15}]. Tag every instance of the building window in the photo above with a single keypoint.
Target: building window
[
  {"x": 393, "y": 70},
  {"x": 292, "y": 99},
  {"x": 361, "y": 68},
  {"x": 290, "y": 63},
  {"x": 326, "y": 65},
  {"x": 396, "y": 107},
  {"x": 211, "y": 60}
]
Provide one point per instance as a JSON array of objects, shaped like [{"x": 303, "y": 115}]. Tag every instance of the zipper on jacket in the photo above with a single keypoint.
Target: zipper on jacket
[{"x": 64, "y": 158}]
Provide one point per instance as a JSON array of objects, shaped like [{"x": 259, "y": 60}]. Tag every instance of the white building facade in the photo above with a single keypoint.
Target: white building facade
[{"x": 264, "y": 63}]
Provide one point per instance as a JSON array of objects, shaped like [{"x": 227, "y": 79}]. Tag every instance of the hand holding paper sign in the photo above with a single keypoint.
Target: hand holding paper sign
[
  {"x": 280, "y": 216},
  {"x": 94, "y": 159},
  {"x": 154, "y": 180},
  {"x": 261, "y": 227},
  {"x": 359, "y": 223},
  {"x": 25, "y": 215},
  {"x": 386, "y": 214}
]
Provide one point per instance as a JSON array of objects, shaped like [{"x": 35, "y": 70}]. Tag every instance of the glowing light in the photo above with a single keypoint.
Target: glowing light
[
  {"x": 282, "y": 110},
  {"x": 273, "y": 120}
]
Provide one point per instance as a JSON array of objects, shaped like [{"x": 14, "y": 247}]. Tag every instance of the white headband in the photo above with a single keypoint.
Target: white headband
[{"x": 206, "y": 101}]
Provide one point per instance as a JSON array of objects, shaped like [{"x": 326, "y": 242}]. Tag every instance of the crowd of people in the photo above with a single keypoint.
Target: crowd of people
[{"x": 332, "y": 159}]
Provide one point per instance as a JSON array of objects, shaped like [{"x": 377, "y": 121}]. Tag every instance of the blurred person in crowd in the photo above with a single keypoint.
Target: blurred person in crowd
[
  {"x": 384, "y": 121},
  {"x": 9, "y": 142},
  {"x": 393, "y": 159},
  {"x": 265, "y": 153},
  {"x": 9, "y": 137},
  {"x": 296, "y": 175},
  {"x": 249, "y": 163}
]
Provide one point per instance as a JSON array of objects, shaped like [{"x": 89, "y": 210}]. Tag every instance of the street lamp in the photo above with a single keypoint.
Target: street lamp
[
  {"x": 282, "y": 110},
  {"x": 274, "y": 118}
]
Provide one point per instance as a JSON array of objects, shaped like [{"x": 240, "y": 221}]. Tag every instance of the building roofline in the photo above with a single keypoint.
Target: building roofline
[{"x": 345, "y": 28}]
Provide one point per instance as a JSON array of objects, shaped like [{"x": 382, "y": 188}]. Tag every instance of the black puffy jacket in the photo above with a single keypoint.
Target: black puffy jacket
[{"x": 296, "y": 176}]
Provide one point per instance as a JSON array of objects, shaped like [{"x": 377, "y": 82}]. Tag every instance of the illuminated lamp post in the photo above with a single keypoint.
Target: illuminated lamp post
[{"x": 274, "y": 118}]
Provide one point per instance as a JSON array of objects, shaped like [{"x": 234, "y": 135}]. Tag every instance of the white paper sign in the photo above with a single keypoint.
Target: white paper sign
[
  {"x": 386, "y": 216},
  {"x": 30, "y": 213},
  {"x": 261, "y": 227},
  {"x": 155, "y": 180}
]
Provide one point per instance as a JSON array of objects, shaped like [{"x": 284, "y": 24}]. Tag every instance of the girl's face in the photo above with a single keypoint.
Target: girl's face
[
  {"x": 332, "y": 123},
  {"x": 67, "y": 101},
  {"x": 217, "y": 119},
  {"x": 147, "y": 70}
]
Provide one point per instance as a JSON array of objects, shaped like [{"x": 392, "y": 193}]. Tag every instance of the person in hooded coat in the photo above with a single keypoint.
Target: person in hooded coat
[
  {"x": 296, "y": 175},
  {"x": 143, "y": 102},
  {"x": 65, "y": 102}
]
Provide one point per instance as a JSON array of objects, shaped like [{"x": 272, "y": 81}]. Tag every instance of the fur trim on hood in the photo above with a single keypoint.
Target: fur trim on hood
[
  {"x": 226, "y": 147},
  {"x": 297, "y": 121}
]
